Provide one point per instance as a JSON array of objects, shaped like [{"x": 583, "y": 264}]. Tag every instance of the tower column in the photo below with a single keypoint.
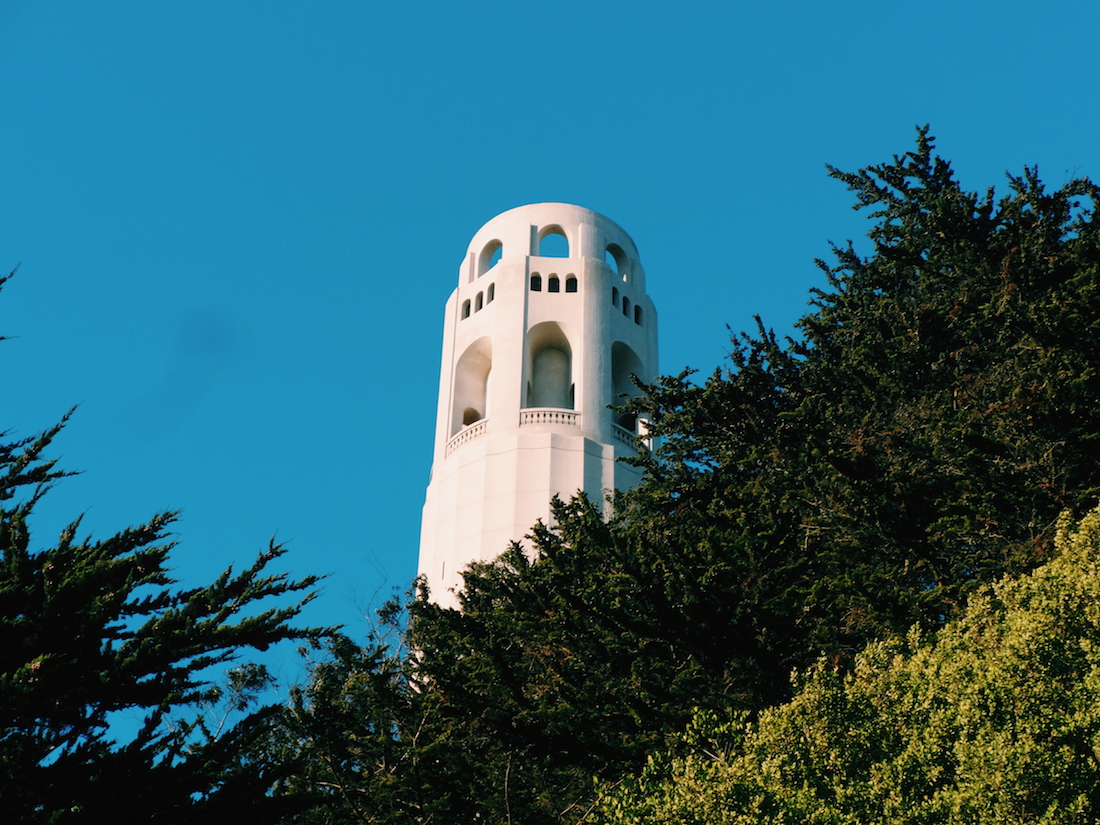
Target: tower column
[{"x": 536, "y": 346}]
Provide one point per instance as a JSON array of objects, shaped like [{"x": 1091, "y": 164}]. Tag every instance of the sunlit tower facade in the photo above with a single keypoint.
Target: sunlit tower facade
[{"x": 548, "y": 322}]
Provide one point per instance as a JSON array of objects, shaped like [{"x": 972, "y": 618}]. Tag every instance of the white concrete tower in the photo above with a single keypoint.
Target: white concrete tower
[{"x": 549, "y": 321}]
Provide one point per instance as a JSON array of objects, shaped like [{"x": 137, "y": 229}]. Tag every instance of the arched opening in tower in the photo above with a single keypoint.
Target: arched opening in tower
[
  {"x": 624, "y": 363},
  {"x": 549, "y": 367},
  {"x": 617, "y": 261},
  {"x": 553, "y": 242},
  {"x": 490, "y": 257},
  {"x": 470, "y": 397}
]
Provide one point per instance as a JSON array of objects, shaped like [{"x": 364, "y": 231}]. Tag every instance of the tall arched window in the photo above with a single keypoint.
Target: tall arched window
[
  {"x": 550, "y": 367},
  {"x": 536, "y": 282},
  {"x": 638, "y": 315},
  {"x": 624, "y": 363},
  {"x": 490, "y": 293},
  {"x": 466, "y": 308},
  {"x": 626, "y": 306},
  {"x": 479, "y": 302},
  {"x": 471, "y": 387},
  {"x": 570, "y": 284},
  {"x": 553, "y": 285},
  {"x": 614, "y": 297}
]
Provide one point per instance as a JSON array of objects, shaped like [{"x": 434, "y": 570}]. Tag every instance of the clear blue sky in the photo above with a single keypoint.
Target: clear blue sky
[{"x": 238, "y": 222}]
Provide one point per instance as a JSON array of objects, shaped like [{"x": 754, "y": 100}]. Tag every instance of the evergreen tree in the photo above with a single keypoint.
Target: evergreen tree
[
  {"x": 923, "y": 434},
  {"x": 96, "y": 635},
  {"x": 361, "y": 736},
  {"x": 994, "y": 718},
  {"x": 918, "y": 440}
]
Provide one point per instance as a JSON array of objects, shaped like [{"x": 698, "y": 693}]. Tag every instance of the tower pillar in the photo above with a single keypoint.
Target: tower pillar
[{"x": 548, "y": 322}]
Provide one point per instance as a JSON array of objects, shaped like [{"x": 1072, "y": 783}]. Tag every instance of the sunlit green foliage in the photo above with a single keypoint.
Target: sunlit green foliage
[{"x": 994, "y": 718}]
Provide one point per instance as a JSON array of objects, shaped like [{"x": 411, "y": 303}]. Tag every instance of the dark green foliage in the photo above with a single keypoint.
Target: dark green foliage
[
  {"x": 94, "y": 633},
  {"x": 582, "y": 662},
  {"x": 920, "y": 439},
  {"x": 928, "y": 428},
  {"x": 915, "y": 443},
  {"x": 994, "y": 718},
  {"x": 364, "y": 739}
]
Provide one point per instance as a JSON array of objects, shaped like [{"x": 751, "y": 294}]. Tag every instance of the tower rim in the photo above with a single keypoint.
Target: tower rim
[{"x": 538, "y": 206}]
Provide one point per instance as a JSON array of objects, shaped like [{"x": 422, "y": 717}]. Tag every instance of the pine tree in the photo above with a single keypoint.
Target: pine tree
[
  {"x": 918, "y": 440},
  {"x": 95, "y": 632},
  {"x": 994, "y": 718}
]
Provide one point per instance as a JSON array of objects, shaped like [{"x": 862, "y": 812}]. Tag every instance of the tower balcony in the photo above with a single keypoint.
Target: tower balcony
[{"x": 532, "y": 416}]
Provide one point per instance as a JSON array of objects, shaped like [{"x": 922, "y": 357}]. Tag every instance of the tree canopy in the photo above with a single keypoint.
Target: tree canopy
[
  {"x": 837, "y": 504},
  {"x": 113, "y": 682},
  {"x": 918, "y": 440},
  {"x": 994, "y": 718}
]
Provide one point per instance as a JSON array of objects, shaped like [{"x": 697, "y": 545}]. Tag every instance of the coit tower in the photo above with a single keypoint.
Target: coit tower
[{"x": 549, "y": 321}]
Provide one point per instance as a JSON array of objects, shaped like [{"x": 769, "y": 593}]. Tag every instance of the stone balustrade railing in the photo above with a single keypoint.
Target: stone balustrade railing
[
  {"x": 548, "y": 415},
  {"x": 467, "y": 434},
  {"x": 624, "y": 435},
  {"x": 540, "y": 415}
]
